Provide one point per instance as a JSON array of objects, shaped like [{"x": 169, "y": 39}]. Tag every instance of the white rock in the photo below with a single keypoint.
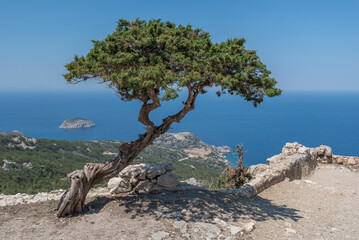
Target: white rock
[
  {"x": 114, "y": 182},
  {"x": 27, "y": 165},
  {"x": 211, "y": 235},
  {"x": 119, "y": 185},
  {"x": 7, "y": 165},
  {"x": 208, "y": 227},
  {"x": 220, "y": 222},
  {"x": 235, "y": 229},
  {"x": 19, "y": 201},
  {"x": 160, "y": 235},
  {"x": 290, "y": 230},
  {"x": 182, "y": 225},
  {"x": 248, "y": 227},
  {"x": 2, "y": 203},
  {"x": 303, "y": 150},
  {"x": 309, "y": 182},
  {"x": 351, "y": 161},
  {"x": 108, "y": 153},
  {"x": 340, "y": 159}
]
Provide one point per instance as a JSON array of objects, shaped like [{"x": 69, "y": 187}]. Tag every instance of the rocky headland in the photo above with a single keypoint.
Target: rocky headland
[
  {"x": 193, "y": 147},
  {"x": 77, "y": 122}
]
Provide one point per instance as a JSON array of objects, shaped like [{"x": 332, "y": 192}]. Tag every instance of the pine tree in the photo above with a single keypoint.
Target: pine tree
[{"x": 151, "y": 61}]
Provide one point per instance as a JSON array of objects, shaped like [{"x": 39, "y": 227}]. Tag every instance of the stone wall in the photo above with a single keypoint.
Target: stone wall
[
  {"x": 346, "y": 160},
  {"x": 144, "y": 177},
  {"x": 141, "y": 178},
  {"x": 296, "y": 161},
  {"x": 23, "y": 198}
]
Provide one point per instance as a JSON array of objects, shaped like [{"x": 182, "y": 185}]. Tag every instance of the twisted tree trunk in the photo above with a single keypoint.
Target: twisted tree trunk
[{"x": 73, "y": 200}]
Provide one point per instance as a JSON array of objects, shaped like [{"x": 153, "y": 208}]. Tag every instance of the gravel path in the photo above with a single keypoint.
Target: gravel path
[{"x": 326, "y": 203}]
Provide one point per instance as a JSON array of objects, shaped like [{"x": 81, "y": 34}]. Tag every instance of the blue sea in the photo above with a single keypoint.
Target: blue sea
[{"x": 310, "y": 118}]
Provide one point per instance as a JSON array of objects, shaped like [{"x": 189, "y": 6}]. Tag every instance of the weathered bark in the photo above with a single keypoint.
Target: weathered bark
[{"x": 73, "y": 200}]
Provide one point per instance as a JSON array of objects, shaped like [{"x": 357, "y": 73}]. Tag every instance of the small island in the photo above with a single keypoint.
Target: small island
[{"x": 77, "y": 123}]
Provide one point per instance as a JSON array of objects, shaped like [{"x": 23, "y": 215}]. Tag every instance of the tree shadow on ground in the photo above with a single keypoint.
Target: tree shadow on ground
[{"x": 195, "y": 205}]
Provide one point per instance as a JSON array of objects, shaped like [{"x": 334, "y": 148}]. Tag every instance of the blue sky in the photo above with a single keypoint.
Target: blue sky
[{"x": 308, "y": 45}]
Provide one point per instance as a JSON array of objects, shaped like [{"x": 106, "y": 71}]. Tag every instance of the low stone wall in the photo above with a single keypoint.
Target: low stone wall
[
  {"x": 296, "y": 161},
  {"x": 23, "y": 198},
  {"x": 140, "y": 178},
  {"x": 144, "y": 177},
  {"x": 346, "y": 160}
]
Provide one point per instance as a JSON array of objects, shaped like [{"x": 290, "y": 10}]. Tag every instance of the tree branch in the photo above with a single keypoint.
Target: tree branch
[
  {"x": 193, "y": 92},
  {"x": 143, "y": 116}
]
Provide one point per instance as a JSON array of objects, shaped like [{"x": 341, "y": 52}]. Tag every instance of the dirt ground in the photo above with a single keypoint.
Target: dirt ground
[{"x": 323, "y": 206}]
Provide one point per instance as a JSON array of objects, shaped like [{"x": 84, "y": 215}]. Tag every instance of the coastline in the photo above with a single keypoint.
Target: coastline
[{"x": 309, "y": 117}]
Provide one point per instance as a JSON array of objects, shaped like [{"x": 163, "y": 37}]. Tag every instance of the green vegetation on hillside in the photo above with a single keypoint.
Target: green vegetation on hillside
[{"x": 52, "y": 160}]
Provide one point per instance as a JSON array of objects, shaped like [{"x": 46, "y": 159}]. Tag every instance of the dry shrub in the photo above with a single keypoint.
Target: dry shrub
[{"x": 235, "y": 177}]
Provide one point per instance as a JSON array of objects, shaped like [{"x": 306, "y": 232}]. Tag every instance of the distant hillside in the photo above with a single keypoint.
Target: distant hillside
[{"x": 31, "y": 165}]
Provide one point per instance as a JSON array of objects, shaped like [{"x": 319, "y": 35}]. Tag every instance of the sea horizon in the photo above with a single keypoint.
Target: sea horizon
[{"x": 311, "y": 118}]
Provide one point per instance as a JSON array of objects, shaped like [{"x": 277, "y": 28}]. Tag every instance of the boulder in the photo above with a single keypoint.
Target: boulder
[
  {"x": 248, "y": 227},
  {"x": 168, "y": 180},
  {"x": 144, "y": 187},
  {"x": 339, "y": 160},
  {"x": 325, "y": 154},
  {"x": 351, "y": 161},
  {"x": 143, "y": 178},
  {"x": 155, "y": 171},
  {"x": 119, "y": 185}
]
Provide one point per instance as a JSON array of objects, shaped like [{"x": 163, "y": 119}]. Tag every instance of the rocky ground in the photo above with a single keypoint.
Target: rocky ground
[{"x": 322, "y": 206}]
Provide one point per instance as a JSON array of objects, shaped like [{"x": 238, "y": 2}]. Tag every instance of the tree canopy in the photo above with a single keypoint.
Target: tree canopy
[
  {"x": 144, "y": 60},
  {"x": 151, "y": 62}
]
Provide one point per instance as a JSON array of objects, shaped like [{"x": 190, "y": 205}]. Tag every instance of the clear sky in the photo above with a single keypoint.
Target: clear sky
[{"x": 308, "y": 45}]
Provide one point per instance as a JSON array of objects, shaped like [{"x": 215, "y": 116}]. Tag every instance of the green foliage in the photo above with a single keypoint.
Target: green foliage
[
  {"x": 235, "y": 177},
  {"x": 52, "y": 160},
  {"x": 140, "y": 55}
]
